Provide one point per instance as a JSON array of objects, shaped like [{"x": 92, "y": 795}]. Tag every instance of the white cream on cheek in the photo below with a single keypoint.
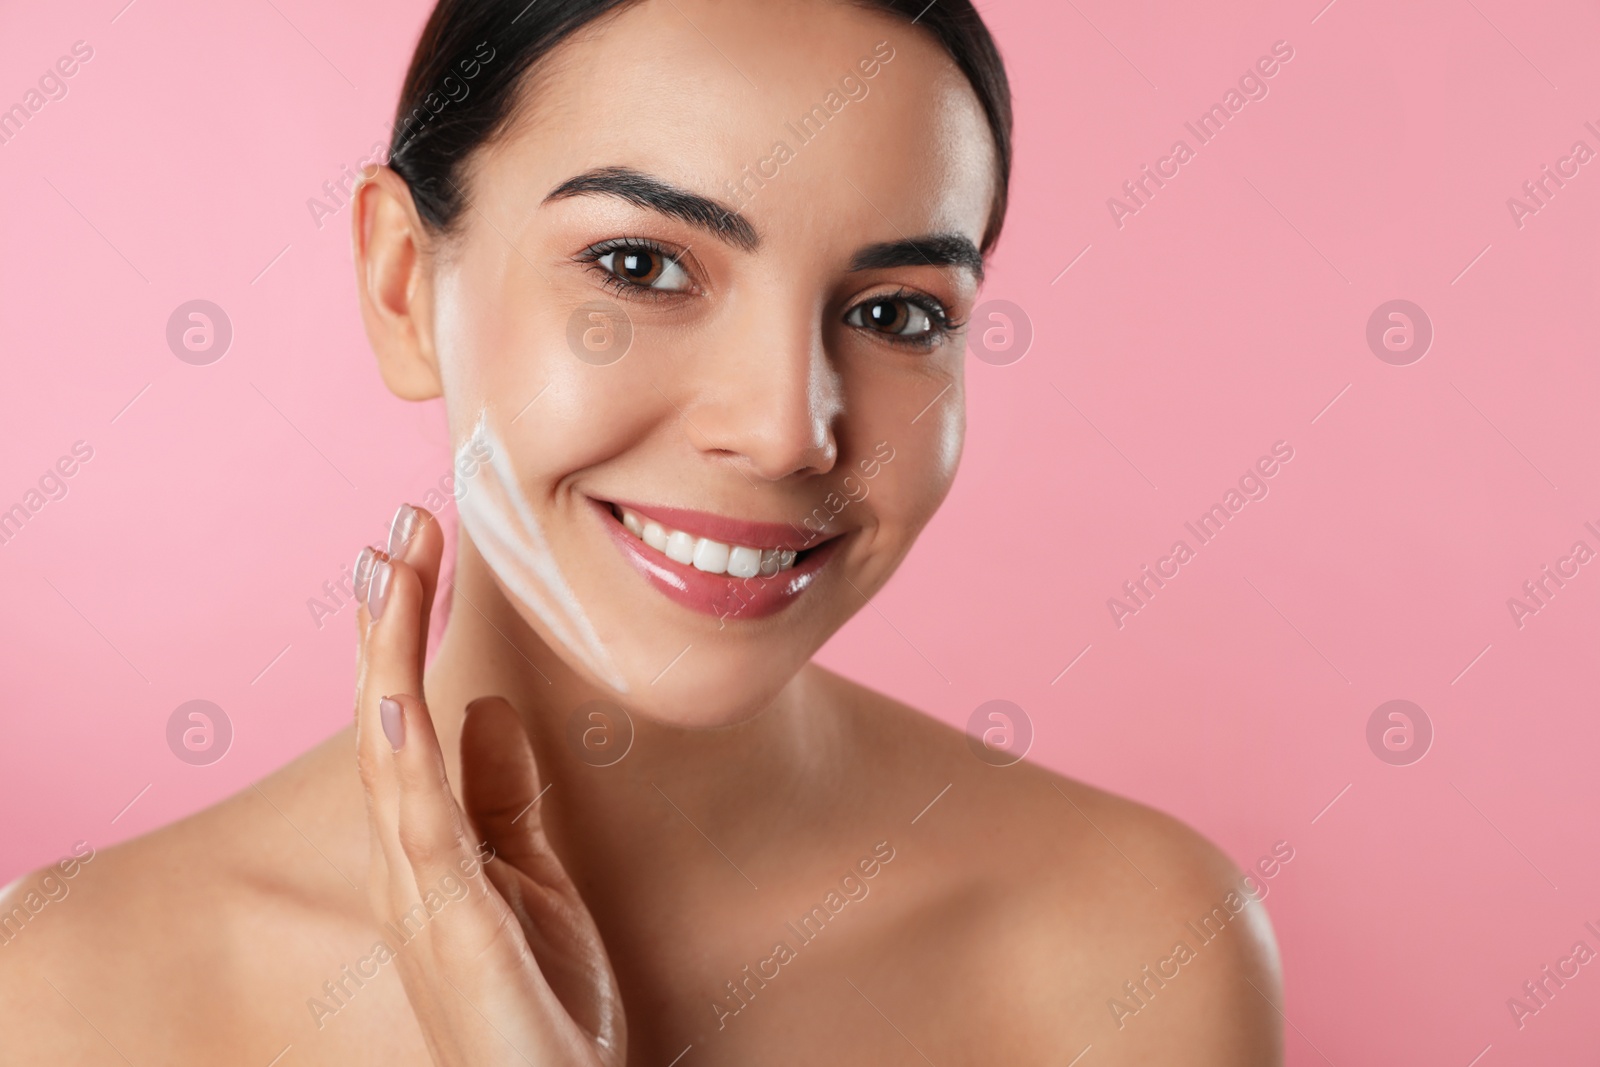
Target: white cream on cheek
[{"x": 501, "y": 520}]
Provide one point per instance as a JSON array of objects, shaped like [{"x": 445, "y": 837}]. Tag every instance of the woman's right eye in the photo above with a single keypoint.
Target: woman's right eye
[{"x": 646, "y": 268}]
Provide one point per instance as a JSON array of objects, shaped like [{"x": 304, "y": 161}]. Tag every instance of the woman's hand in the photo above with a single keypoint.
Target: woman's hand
[{"x": 500, "y": 957}]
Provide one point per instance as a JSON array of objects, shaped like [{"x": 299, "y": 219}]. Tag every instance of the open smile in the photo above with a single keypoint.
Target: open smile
[{"x": 730, "y": 568}]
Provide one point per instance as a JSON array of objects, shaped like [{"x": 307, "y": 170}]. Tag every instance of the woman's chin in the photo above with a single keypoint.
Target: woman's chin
[{"x": 707, "y": 699}]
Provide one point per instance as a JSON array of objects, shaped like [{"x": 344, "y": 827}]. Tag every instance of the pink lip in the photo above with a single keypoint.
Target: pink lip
[{"x": 718, "y": 594}]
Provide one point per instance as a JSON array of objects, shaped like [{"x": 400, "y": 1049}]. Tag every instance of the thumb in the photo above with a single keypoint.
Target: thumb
[
  {"x": 500, "y": 786},
  {"x": 500, "y": 790}
]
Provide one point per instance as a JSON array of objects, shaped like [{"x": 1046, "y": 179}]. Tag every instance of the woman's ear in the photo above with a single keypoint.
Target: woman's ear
[{"x": 395, "y": 288}]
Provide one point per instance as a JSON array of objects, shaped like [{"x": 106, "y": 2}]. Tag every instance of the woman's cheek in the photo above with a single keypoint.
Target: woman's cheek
[
  {"x": 924, "y": 480},
  {"x": 928, "y": 453},
  {"x": 906, "y": 479},
  {"x": 489, "y": 356},
  {"x": 948, "y": 434}
]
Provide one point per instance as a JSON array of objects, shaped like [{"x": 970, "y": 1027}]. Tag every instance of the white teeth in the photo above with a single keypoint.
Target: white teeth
[
  {"x": 744, "y": 562},
  {"x": 680, "y": 547},
  {"x": 704, "y": 554},
  {"x": 711, "y": 556}
]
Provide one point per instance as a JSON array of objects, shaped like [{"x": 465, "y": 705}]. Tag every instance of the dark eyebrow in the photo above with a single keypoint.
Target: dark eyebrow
[
  {"x": 936, "y": 250},
  {"x": 639, "y": 188}
]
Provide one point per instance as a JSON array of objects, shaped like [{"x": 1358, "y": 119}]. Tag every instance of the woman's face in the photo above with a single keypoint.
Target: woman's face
[{"x": 699, "y": 334}]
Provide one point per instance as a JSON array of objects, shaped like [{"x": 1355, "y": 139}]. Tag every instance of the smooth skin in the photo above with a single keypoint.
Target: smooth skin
[{"x": 581, "y": 914}]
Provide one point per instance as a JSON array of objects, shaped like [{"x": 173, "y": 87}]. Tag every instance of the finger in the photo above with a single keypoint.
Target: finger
[
  {"x": 389, "y": 661},
  {"x": 377, "y": 785},
  {"x": 415, "y": 541},
  {"x": 500, "y": 786},
  {"x": 416, "y": 538},
  {"x": 433, "y": 834},
  {"x": 500, "y": 791},
  {"x": 366, "y": 560},
  {"x": 391, "y": 653},
  {"x": 476, "y": 940},
  {"x": 473, "y": 963}
]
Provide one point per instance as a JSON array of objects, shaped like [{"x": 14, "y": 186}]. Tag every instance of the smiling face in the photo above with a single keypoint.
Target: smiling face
[{"x": 708, "y": 333}]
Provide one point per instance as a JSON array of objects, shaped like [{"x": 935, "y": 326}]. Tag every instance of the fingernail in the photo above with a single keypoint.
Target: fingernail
[
  {"x": 401, "y": 528},
  {"x": 378, "y": 594},
  {"x": 394, "y": 722},
  {"x": 363, "y": 571}
]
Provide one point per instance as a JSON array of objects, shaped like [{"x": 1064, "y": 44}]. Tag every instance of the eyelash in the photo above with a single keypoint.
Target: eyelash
[
  {"x": 943, "y": 324},
  {"x": 619, "y": 284}
]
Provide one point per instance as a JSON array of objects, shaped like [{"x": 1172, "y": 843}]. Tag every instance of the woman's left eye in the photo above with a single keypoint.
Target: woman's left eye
[
  {"x": 897, "y": 316},
  {"x": 645, "y": 268}
]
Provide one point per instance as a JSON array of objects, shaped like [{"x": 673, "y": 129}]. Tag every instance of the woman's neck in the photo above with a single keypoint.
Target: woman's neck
[{"x": 728, "y": 782}]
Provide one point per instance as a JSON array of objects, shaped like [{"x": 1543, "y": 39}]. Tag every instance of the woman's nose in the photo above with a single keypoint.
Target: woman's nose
[{"x": 765, "y": 394}]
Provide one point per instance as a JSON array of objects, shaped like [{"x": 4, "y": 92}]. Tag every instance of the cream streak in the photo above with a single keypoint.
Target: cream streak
[{"x": 503, "y": 527}]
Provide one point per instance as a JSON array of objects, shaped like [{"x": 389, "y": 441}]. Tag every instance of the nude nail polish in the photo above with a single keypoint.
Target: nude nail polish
[
  {"x": 363, "y": 572},
  {"x": 392, "y": 716},
  {"x": 378, "y": 593},
  {"x": 401, "y": 529}
]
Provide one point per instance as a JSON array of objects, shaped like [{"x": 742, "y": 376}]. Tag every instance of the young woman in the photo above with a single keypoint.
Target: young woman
[{"x": 690, "y": 276}]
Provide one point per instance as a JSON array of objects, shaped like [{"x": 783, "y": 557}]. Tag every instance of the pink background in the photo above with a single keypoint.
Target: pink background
[{"x": 1222, "y": 317}]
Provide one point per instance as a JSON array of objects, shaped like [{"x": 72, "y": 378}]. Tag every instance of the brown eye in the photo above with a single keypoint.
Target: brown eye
[
  {"x": 645, "y": 267},
  {"x": 639, "y": 267},
  {"x": 891, "y": 315},
  {"x": 888, "y": 316}
]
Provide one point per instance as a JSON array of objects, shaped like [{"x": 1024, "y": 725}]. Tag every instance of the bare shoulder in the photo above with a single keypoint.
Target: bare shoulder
[
  {"x": 1184, "y": 961},
  {"x": 1118, "y": 925},
  {"x": 170, "y": 947}
]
